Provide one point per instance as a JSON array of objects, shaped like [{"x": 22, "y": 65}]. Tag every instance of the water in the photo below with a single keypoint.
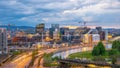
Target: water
[{"x": 66, "y": 53}]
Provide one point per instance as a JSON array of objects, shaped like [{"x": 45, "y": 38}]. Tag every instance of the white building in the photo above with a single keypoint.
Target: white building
[
  {"x": 95, "y": 37},
  {"x": 91, "y": 37},
  {"x": 56, "y": 34},
  {"x": 3, "y": 41}
]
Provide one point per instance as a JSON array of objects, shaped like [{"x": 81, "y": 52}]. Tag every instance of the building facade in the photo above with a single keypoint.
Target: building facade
[
  {"x": 56, "y": 35},
  {"x": 55, "y": 26},
  {"x": 3, "y": 41},
  {"x": 40, "y": 28}
]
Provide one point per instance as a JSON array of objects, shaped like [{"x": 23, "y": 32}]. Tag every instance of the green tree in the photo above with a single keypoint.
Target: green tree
[
  {"x": 116, "y": 45},
  {"x": 99, "y": 50},
  {"x": 113, "y": 52},
  {"x": 95, "y": 51},
  {"x": 119, "y": 48}
]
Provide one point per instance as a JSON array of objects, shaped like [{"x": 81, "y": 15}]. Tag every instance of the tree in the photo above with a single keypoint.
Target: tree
[
  {"x": 95, "y": 51},
  {"x": 99, "y": 50},
  {"x": 113, "y": 52},
  {"x": 116, "y": 45},
  {"x": 119, "y": 48}
]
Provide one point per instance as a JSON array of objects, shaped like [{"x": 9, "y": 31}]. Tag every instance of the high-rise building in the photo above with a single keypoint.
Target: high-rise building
[
  {"x": 56, "y": 35},
  {"x": 99, "y": 29},
  {"x": 65, "y": 34},
  {"x": 40, "y": 28},
  {"x": 102, "y": 35},
  {"x": 47, "y": 33},
  {"x": 3, "y": 41},
  {"x": 51, "y": 32},
  {"x": 55, "y": 26},
  {"x": 64, "y": 31},
  {"x": 52, "y": 29}
]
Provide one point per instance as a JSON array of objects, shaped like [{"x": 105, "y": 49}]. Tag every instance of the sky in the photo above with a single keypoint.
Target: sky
[{"x": 104, "y": 13}]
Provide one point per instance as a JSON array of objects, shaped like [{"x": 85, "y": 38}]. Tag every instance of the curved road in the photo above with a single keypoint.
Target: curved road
[
  {"x": 19, "y": 62},
  {"x": 23, "y": 60}
]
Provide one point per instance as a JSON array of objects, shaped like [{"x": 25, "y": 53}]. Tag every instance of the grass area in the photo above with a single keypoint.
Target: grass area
[
  {"x": 16, "y": 52},
  {"x": 87, "y": 55},
  {"x": 49, "y": 61},
  {"x": 81, "y": 55}
]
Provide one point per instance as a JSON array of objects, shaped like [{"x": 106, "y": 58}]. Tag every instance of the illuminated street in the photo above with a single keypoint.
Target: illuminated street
[
  {"x": 23, "y": 60},
  {"x": 19, "y": 62}
]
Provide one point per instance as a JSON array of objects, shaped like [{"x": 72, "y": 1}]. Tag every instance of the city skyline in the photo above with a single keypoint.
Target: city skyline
[
  {"x": 59, "y": 33},
  {"x": 103, "y": 13}
]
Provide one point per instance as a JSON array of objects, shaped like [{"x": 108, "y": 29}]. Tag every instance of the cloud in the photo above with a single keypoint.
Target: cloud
[{"x": 60, "y": 11}]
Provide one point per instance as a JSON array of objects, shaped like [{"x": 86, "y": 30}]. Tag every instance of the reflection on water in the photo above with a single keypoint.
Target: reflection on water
[{"x": 66, "y": 53}]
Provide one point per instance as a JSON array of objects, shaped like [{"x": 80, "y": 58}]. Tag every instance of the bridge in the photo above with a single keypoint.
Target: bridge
[
  {"x": 115, "y": 38},
  {"x": 66, "y": 63}
]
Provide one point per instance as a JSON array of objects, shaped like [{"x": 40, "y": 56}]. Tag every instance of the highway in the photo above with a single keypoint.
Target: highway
[
  {"x": 46, "y": 51},
  {"x": 23, "y": 60},
  {"x": 19, "y": 62},
  {"x": 36, "y": 60}
]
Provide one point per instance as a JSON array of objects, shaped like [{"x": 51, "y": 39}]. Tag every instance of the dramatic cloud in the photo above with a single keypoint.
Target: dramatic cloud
[{"x": 32, "y": 12}]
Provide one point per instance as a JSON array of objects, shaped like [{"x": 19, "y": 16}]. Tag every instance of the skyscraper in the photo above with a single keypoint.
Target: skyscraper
[
  {"x": 40, "y": 28},
  {"x": 52, "y": 29},
  {"x": 3, "y": 41},
  {"x": 64, "y": 30},
  {"x": 55, "y": 26},
  {"x": 56, "y": 35}
]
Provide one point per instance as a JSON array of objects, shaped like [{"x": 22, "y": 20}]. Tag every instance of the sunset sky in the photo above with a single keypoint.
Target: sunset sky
[{"x": 104, "y": 13}]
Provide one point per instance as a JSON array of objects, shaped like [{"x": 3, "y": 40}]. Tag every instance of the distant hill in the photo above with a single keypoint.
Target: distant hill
[{"x": 17, "y": 27}]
